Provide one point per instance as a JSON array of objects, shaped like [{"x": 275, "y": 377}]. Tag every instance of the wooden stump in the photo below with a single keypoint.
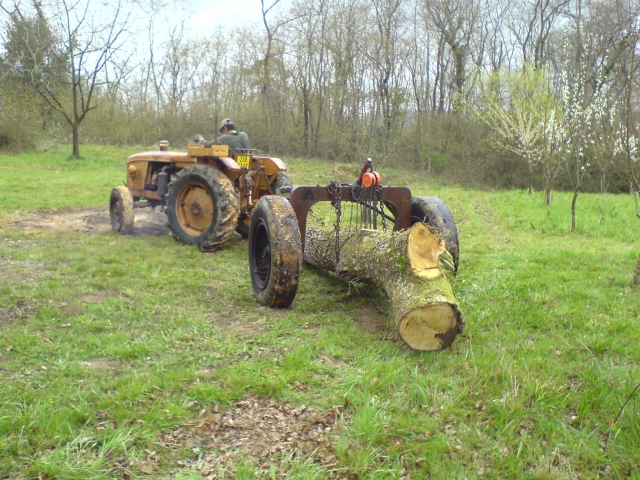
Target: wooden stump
[{"x": 412, "y": 267}]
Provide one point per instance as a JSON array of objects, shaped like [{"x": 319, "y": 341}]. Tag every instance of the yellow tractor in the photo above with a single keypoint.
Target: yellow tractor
[{"x": 207, "y": 193}]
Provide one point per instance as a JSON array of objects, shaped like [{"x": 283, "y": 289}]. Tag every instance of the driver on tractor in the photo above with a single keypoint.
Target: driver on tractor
[{"x": 230, "y": 136}]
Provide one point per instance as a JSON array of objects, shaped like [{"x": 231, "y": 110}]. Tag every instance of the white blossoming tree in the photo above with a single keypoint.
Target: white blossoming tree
[
  {"x": 552, "y": 160},
  {"x": 516, "y": 106},
  {"x": 584, "y": 104},
  {"x": 627, "y": 156}
]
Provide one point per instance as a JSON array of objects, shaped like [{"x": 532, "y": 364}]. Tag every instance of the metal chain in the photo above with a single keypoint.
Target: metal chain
[
  {"x": 374, "y": 204},
  {"x": 356, "y": 192},
  {"x": 334, "y": 190},
  {"x": 379, "y": 191}
]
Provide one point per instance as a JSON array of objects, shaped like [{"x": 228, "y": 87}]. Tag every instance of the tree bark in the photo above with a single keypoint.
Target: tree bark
[
  {"x": 548, "y": 186},
  {"x": 412, "y": 267},
  {"x": 75, "y": 135},
  {"x": 636, "y": 274},
  {"x": 574, "y": 201}
]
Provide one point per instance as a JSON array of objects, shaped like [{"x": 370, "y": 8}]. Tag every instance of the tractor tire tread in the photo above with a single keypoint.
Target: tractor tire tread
[{"x": 226, "y": 206}]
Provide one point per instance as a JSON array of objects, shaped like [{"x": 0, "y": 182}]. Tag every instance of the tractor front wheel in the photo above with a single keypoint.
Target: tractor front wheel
[
  {"x": 435, "y": 213},
  {"x": 202, "y": 207},
  {"x": 121, "y": 210},
  {"x": 275, "y": 253}
]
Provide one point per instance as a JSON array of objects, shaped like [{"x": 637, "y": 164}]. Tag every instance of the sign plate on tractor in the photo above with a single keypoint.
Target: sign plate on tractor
[
  {"x": 197, "y": 150},
  {"x": 243, "y": 160}
]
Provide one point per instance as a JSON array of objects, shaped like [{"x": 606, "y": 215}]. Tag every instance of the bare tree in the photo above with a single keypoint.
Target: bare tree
[
  {"x": 87, "y": 44},
  {"x": 177, "y": 77},
  {"x": 456, "y": 21},
  {"x": 385, "y": 58},
  {"x": 532, "y": 24},
  {"x": 311, "y": 69},
  {"x": 271, "y": 104}
]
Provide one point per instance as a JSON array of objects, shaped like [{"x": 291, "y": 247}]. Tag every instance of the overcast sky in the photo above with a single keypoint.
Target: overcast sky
[{"x": 203, "y": 16}]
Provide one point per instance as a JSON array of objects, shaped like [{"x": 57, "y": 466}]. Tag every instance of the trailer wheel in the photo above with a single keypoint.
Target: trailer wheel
[
  {"x": 121, "y": 210},
  {"x": 435, "y": 213},
  {"x": 282, "y": 186},
  {"x": 275, "y": 254},
  {"x": 202, "y": 207}
]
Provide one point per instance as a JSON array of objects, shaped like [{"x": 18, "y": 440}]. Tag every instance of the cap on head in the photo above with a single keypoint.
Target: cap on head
[{"x": 227, "y": 123}]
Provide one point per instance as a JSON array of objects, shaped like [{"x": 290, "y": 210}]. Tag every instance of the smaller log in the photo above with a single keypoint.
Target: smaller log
[{"x": 410, "y": 266}]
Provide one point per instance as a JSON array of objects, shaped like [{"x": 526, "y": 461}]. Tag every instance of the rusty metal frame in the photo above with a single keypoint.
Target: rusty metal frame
[{"x": 396, "y": 199}]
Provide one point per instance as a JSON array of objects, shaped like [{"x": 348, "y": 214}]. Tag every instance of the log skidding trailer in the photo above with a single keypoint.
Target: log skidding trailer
[{"x": 413, "y": 263}]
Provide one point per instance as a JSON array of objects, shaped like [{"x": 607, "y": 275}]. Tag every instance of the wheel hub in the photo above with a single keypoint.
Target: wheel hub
[
  {"x": 261, "y": 255},
  {"x": 195, "y": 209}
]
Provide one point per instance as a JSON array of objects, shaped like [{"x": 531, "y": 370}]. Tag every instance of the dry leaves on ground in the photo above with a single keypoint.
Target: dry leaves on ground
[{"x": 261, "y": 431}]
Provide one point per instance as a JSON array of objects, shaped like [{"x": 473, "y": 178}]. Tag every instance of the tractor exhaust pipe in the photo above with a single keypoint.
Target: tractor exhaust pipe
[{"x": 163, "y": 181}]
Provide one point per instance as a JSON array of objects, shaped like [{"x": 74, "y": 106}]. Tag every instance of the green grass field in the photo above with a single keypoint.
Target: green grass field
[{"x": 138, "y": 357}]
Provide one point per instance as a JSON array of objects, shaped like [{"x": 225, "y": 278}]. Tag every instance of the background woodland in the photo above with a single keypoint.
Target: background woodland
[{"x": 538, "y": 94}]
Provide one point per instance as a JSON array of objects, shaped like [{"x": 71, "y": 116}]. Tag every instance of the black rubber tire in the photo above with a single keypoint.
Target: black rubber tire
[
  {"x": 282, "y": 180},
  {"x": 121, "y": 210},
  {"x": 202, "y": 207},
  {"x": 275, "y": 253},
  {"x": 435, "y": 213},
  {"x": 244, "y": 220}
]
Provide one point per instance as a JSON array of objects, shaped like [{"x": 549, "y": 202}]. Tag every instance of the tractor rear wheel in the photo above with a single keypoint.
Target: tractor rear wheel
[
  {"x": 121, "y": 210},
  {"x": 202, "y": 207},
  {"x": 275, "y": 253},
  {"x": 435, "y": 213},
  {"x": 282, "y": 181}
]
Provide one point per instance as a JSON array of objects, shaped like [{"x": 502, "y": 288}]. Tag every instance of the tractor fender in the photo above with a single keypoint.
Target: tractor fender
[
  {"x": 272, "y": 166},
  {"x": 229, "y": 167}
]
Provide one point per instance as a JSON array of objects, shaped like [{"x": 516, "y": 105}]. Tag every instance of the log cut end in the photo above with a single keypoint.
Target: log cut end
[
  {"x": 424, "y": 249},
  {"x": 430, "y": 327}
]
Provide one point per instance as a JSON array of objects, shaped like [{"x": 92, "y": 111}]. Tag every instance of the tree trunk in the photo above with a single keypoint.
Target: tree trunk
[
  {"x": 75, "y": 134},
  {"x": 547, "y": 195},
  {"x": 574, "y": 201},
  {"x": 530, "y": 168},
  {"x": 410, "y": 266},
  {"x": 636, "y": 274},
  {"x": 548, "y": 187}
]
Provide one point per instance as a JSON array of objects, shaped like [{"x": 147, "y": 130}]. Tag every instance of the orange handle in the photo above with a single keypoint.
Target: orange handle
[{"x": 371, "y": 179}]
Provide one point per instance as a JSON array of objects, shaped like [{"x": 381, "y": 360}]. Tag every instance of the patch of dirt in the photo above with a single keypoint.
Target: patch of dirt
[
  {"x": 257, "y": 430},
  {"x": 100, "y": 364},
  {"x": 19, "y": 270},
  {"x": 98, "y": 297},
  {"x": 12, "y": 314},
  {"x": 332, "y": 362},
  {"x": 71, "y": 310},
  {"x": 147, "y": 221},
  {"x": 371, "y": 320},
  {"x": 92, "y": 298},
  {"x": 234, "y": 322},
  {"x": 236, "y": 328}
]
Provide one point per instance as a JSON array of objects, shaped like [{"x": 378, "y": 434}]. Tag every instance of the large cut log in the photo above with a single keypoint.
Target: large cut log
[{"x": 412, "y": 267}]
